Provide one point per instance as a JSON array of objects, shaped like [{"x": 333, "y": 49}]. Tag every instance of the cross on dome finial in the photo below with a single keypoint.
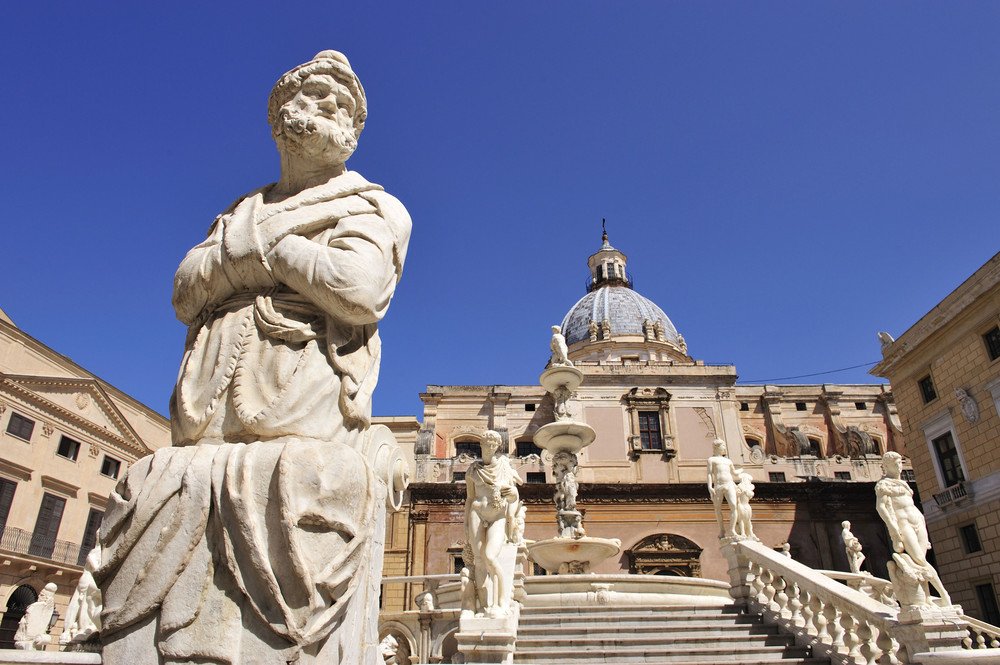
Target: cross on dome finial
[{"x": 604, "y": 229}]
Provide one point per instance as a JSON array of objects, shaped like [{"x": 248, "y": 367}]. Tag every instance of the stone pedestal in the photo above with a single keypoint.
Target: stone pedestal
[
  {"x": 739, "y": 573},
  {"x": 931, "y": 629},
  {"x": 485, "y": 639}
]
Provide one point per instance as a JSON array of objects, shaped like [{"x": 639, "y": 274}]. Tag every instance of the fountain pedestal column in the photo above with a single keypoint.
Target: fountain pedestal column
[{"x": 571, "y": 551}]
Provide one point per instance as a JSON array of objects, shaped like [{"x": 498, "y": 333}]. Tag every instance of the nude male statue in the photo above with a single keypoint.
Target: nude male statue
[
  {"x": 908, "y": 532},
  {"x": 491, "y": 507},
  {"x": 258, "y": 523},
  {"x": 852, "y": 547},
  {"x": 723, "y": 478}
]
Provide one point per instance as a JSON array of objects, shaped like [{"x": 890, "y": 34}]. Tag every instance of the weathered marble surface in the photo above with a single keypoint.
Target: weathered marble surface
[
  {"x": 33, "y": 629},
  {"x": 264, "y": 522},
  {"x": 83, "y": 614},
  {"x": 910, "y": 572},
  {"x": 723, "y": 480},
  {"x": 492, "y": 508},
  {"x": 852, "y": 547}
]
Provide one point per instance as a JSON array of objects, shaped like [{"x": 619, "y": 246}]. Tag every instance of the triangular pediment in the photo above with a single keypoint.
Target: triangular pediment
[{"x": 81, "y": 401}]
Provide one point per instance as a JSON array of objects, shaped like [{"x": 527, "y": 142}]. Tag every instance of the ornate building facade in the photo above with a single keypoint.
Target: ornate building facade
[
  {"x": 813, "y": 450},
  {"x": 65, "y": 438},
  {"x": 945, "y": 370}
]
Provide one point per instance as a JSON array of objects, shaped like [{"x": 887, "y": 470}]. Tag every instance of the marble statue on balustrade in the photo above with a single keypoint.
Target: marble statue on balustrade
[
  {"x": 388, "y": 648},
  {"x": 723, "y": 480},
  {"x": 261, "y": 523},
  {"x": 910, "y": 572},
  {"x": 852, "y": 547},
  {"x": 83, "y": 614},
  {"x": 33, "y": 630},
  {"x": 560, "y": 351},
  {"x": 491, "y": 507},
  {"x": 744, "y": 513}
]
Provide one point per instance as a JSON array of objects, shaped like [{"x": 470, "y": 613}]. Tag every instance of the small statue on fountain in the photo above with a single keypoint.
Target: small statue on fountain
[{"x": 559, "y": 349}]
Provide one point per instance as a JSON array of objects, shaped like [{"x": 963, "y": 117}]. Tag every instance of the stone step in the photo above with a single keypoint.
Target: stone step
[
  {"x": 620, "y": 630},
  {"x": 605, "y": 610},
  {"x": 682, "y": 642},
  {"x": 705, "y": 656}
]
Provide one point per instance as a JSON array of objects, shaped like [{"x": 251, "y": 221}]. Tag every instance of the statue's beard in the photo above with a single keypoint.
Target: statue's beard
[{"x": 308, "y": 136}]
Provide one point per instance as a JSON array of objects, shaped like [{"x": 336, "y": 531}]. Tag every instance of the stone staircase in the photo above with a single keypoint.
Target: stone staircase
[{"x": 652, "y": 634}]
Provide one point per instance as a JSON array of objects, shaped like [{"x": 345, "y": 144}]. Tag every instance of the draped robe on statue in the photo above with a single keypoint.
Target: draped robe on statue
[{"x": 247, "y": 537}]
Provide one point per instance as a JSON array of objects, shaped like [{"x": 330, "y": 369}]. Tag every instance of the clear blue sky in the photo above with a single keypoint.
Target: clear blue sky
[{"x": 786, "y": 178}]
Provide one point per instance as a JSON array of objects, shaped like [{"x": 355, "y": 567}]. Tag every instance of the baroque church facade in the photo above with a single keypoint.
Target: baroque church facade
[{"x": 814, "y": 451}]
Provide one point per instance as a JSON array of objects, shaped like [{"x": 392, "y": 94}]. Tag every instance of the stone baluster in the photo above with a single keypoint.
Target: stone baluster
[
  {"x": 781, "y": 597},
  {"x": 767, "y": 577},
  {"x": 867, "y": 647},
  {"x": 756, "y": 582},
  {"x": 850, "y": 636},
  {"x": 887, "y": 646},
  {"x": 832, "y": 615},
  {"x": 795, "y": 605},
  {"x": 820, "y": 620},
  {"x": 805, "y": 600}
]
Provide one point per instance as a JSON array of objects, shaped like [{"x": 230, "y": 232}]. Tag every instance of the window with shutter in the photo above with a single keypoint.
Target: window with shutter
[
  {"x": 7, "y": 488},
  {"x": 89, "y": 535},
  {"x": 43, "y": 539}
]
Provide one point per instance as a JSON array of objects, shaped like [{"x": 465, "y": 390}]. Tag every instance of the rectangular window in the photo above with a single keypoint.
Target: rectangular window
[
  {"x": 927, "y": 389},
  {"x": 861, "y": 406},
  {"x": 20, "y": 426},
  {"x": 989, "y": 612},
  {"x": 470, "y": 448},
  {"x": 529, "y": 407},
  {"x": 909, "y": 475},
  {"x": 68, "y": 448},
  {"x": 458, "y": 477},
  {"x": 744, "y": 406},
  {"x": 970, "y": 539},
  {"x": 649, "y": 430},
  {"x": 947, "y": 455},
  {"x": 43, "y": 538},
  {"x": 992, "y": 341},
  {"x": 842, "y": 475},
  {"x": 7, "y": 488},
  {"x": 525, "y": 448},
  {"x": 800, "y": 406},
  {"x": 457, "y": 564},
  {"x": 776, "y": 476},
  {"x": 110, "y": 467},
  {"x": 535, "y": 477},
  {"x": 89, "y": 535}
]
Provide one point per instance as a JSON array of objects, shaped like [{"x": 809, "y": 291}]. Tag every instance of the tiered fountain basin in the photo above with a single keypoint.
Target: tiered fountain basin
[
  {"x": 567, "y": 436},
  {"x": 556, "y": 554}
]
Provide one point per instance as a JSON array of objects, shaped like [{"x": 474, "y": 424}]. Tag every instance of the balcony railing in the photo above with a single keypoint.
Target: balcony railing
[{"x": 20, "y": 541}]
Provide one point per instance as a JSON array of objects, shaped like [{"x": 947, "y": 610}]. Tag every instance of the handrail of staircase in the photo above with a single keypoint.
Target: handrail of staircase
[
  {"x": 836, "y": 621},
  {"x": 982, "y": 635}
]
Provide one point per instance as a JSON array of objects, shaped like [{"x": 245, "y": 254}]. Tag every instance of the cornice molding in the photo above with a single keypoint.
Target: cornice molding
[
  {"x": 60, "y": 486},
  {"x": 14, "y": 471}
]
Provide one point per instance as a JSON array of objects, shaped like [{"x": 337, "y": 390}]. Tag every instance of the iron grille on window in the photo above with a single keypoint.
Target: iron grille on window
[
  {"x": 970, "y": 539},
  {"x": 927, "y": 389},
  {"x": 470, "y": 448}
]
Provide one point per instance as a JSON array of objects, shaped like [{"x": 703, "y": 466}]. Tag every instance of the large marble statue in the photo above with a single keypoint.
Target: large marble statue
[
  {"x": 910, "y": 572},
  {"x": 256, "y": 538},
  {"x": 83, "y": 614},
  {"x": 723, "y": 478},
  {"x": 852, "y": 547},
  {"x": 491, "y": 507},
  {"x": 33, "y": 630}
]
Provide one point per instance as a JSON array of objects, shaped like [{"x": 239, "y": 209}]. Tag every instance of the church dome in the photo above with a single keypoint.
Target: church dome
[
  {"x": 626, "y": 312},
  {"x": 612, "y": 308}
]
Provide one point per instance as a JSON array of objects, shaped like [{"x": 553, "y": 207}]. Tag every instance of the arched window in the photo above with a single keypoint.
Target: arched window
[
  {"x": 665, "y": 554},
  {"x": 18, "y": 602}
]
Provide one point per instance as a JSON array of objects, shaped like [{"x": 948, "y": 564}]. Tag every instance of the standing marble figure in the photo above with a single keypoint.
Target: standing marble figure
[
  {"x": 910, "y": 572},
  {"x": 257, "y": 538},
  {"x": 722, "y": 485},
  {"x": 491, "y": 508}
]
